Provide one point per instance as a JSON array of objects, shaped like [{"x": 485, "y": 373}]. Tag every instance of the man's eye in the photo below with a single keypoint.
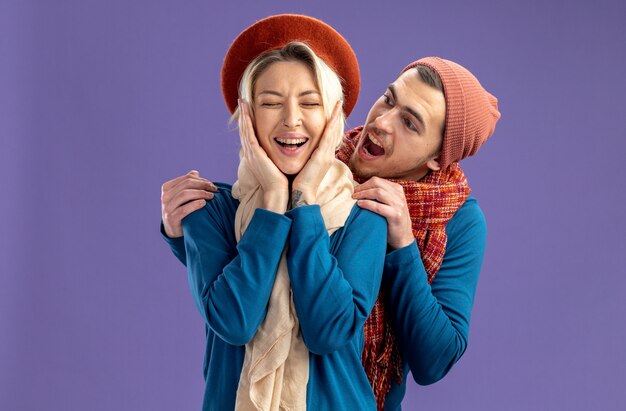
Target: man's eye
[
  {"x": 311, "y": 104},
  {"x": 269, "y": 104},
  {"x": 387, "y": 100},
  {"x": 409, "y": 124}
]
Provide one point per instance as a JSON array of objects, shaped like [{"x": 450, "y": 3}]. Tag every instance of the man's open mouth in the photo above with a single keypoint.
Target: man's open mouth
[{"x": 372, "y": 146}]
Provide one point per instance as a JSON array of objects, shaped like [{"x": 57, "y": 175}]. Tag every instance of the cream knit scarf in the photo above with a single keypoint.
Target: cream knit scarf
[{"x": 275, "y": 371}]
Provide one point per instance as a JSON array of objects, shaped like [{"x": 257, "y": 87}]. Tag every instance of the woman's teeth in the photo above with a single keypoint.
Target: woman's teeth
[
  {"x": 298, "y": 141},
  {"x": 291, "y": 143}
]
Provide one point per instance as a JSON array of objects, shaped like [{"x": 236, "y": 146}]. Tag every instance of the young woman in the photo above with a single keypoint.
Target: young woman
[{"x": 283, "y": 266}]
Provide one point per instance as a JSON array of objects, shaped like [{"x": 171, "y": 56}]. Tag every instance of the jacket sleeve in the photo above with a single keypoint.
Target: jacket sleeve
[
  {"x": 334, "y": 290},
  {"x": 231, "y": 282},
  {"x": 432, "y": 321},
  {"x": 177, "y": 245}
]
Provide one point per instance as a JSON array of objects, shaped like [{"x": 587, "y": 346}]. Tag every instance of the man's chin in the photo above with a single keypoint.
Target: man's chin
[{"x": 359, "y": 170}]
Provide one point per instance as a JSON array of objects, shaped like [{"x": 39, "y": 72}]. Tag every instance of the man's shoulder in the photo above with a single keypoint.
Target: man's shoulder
[
  {"x": 470, "y": 207},
  {"x": 468, "y": 218}
]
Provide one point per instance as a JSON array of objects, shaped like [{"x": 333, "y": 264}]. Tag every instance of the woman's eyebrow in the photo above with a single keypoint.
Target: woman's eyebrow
[
  {"x": 272, "y": 92},
  {"x": 307, "y": 92},
  {"x": 276, "y": 93}
]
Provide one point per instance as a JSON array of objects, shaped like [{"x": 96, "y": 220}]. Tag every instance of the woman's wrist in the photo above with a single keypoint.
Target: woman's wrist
[
  {"x": 301, "y": 197},
  {"x": 275, "y": 201}
]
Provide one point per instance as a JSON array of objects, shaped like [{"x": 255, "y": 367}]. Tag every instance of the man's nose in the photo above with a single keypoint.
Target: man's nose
[{"x": 383, "y": 121}]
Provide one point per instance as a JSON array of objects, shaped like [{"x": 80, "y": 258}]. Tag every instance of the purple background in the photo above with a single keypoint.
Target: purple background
[{"x": 103, "y": 101}]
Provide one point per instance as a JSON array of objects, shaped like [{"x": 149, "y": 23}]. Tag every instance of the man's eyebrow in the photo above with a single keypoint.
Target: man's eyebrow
[{"x": 412, "y": 112}]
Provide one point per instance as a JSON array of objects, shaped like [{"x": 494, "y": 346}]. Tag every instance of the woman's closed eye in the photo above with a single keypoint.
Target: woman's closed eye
[{"x": 270, "y": 104}]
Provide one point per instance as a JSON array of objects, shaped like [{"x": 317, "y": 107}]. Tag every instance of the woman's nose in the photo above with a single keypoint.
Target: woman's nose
[{"x": 292, "y": 117}]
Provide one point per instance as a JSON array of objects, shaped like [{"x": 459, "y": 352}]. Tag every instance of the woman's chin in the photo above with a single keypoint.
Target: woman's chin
[{"x": 290, "y": 170}]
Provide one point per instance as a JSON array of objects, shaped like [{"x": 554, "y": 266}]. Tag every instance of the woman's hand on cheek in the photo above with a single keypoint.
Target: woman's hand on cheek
[
  {"x": 274, "y": 183},
  {"x": 310, "y": 177}
]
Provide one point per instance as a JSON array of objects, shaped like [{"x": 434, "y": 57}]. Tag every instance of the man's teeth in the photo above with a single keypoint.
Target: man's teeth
[
  {"x": 374, "y": 141},
  {"x": 373, "y": 147},
  {"x": 291, "y": 140}
]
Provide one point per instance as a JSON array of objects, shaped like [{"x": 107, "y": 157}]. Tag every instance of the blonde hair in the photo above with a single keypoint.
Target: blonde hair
[{"x": 327, "y": 80}]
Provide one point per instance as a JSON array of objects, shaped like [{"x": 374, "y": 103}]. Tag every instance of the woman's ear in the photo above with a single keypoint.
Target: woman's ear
[{"x": 433, "y": 164}]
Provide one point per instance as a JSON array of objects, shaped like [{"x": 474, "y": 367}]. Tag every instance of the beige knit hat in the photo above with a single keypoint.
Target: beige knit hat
[{"x": 471, "y": 112}]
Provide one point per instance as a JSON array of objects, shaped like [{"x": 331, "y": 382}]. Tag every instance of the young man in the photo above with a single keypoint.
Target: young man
[{"x": 432, "y": 116}]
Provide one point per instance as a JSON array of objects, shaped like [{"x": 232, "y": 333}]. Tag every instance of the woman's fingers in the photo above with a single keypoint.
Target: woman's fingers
[
  {"x": 333, "y": 128},
  {"x": 243, "y": 129},
  {"x": 259, "y": 163}
]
